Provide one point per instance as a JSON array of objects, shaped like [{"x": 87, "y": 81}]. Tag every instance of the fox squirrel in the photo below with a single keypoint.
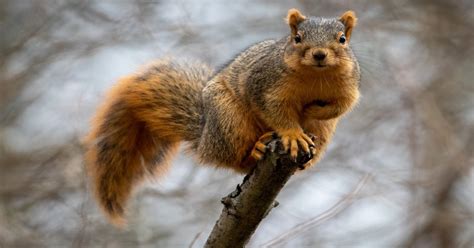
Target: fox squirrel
[{"x": 288, "y": 88}]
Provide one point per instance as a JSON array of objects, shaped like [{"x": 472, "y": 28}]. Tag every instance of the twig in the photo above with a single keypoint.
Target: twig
[
  {"x": 317, "y": 220},
  {"x": 196, "y": 237}
]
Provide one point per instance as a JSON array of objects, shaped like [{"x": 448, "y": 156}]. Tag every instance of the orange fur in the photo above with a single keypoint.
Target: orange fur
[
  {"x": 139, "y": 148},
  {"x": 134, "y": 132}
]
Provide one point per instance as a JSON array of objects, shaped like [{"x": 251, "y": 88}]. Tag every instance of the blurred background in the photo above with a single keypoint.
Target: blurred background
[{"x": 399, "y": 172}]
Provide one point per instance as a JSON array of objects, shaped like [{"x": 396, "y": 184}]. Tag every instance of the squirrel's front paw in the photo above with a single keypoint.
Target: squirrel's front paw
[
  {"x": 293, "y": 139},
  {"x": 260, "y": 146},
  {"x": 305, "y": 160}
]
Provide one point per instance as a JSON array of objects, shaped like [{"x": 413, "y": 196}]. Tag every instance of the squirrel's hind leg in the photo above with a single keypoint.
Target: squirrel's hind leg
[
  {"x": 260, "y": 146},
  {"x": 259, "y": 149},
  {"x": 229, "y": 132}
]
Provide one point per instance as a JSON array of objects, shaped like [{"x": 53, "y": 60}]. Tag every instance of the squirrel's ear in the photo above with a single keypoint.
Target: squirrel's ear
[
  {"x": 349, "y": 20},
  {"x": 294, "y": 18}
]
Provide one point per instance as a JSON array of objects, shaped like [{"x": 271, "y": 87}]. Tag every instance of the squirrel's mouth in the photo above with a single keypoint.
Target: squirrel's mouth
[{"x": 320, "y": 66}]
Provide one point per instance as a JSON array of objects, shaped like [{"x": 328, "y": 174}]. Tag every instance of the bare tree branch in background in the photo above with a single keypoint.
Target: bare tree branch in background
[{"x": 300, "y": 229}]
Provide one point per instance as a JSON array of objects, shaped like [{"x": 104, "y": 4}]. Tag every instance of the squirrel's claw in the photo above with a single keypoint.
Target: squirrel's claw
[
  {"x": 300, "y": 146},
  {"x": 294, "y": 140},
  {"x": 260, "y": 146},
  {"x": 304, "y": 159}
]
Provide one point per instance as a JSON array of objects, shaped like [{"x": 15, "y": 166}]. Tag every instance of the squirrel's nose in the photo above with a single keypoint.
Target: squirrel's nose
[{"x": 319, "y": 56}]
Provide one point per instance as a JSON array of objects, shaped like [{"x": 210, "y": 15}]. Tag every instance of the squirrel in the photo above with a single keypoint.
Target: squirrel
[{"x": 295, "y": 89}]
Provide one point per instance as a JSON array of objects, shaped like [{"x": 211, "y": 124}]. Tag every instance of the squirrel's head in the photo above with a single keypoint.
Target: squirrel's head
[{"x": 319, "y": 43}]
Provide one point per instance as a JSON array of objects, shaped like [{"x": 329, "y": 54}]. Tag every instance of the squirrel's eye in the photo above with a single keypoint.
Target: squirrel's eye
[
  {"x": 297, "y": 38},
  {"x": 342, "y": 39}
]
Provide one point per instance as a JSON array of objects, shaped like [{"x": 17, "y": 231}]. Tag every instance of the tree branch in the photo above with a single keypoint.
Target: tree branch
[{"x": 252, "y": 200}]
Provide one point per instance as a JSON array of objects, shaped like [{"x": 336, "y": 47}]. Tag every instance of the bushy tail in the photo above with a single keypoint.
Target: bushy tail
[{"x": 139, "y": 126}]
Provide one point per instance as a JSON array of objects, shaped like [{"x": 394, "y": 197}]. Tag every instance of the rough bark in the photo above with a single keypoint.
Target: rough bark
[{"x": 252, "y": 200}]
